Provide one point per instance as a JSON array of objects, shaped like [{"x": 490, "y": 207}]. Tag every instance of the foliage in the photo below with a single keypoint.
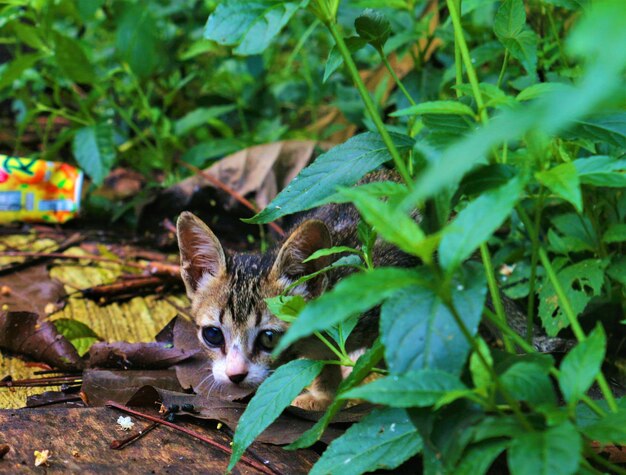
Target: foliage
[{"x": 510, "y": 143}]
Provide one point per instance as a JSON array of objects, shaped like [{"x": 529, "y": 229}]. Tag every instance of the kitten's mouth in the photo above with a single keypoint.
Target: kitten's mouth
[{"x": 232, "y": 391}]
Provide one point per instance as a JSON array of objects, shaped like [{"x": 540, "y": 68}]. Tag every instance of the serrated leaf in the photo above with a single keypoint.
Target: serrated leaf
[
  {"x": 383, "y": 440},
  {"x": 523, "y": 47},
  {"x": 563, "y": 181},
  {"x": 581, "y": 282},
  {"x": 72, "y": 60},
  {"x": 251, "y": 25},
  {"x": 602, "y": 171},
  {"x": 609, "y": 128},
  {"x": 510, "y": 18},
  {"x": 373, "y": 27},
  {"x": 272, "y": 397},
  {"x": 342, "y": 165},
  {"x": 392, "y": 224},
  {"x": 361, "y": 369},
  {"x": 581, "y": 365},
  {"x": 335, "y": 60},
  {"x": 77, "y": 333},
  {"x": 615, "y": 233},
  {"x": 528, "y": 381},
  {"x": 485, "y": 178},
  {"x": 354, "y": 294},
  {"x": 478, "y": 458},
  {"x": 286, "y": 307},
  {"x": 555, "y": 451},
  {"x": 477, "y": 222},
  {"x": 436, "y": 107},
  {"x": 610, "y": 429},
  {"x": 415, "y": 389},
  {"x": 94, "y": 150},
  {"x": 537, "y": 90},
  {"x": 419, "y": 332}
]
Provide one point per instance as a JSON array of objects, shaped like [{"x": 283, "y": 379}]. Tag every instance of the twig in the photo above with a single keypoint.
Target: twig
[
  {"x": 56, "y": 401},
  {"x": 37, "y": 257},
  {"x": 227, "y": 189},
  {"x": 217, "y": 445},
  {"x": 119, "y": 444},
  {"x": 35, "y": 382}
]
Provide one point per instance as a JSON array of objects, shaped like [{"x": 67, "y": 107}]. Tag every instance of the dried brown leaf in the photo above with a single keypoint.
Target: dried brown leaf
[{"x": 23, "y": 333}]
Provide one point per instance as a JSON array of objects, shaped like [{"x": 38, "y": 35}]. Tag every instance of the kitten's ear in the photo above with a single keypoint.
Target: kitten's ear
[
  {"x": 201, "y": 254},
  {"x": 310, "y": 236}
]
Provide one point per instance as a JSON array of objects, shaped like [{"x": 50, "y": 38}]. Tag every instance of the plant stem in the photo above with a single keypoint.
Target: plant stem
[
  {"x": 574, "y": 323},
  {"x": 528, "y": 348},
  {"x": 513, "y": 403},
  {"x": 505, "y": 62},
  {"x": 495, "y": 293},
  {"x": 369, "y": 104},
  {"x": 458, "y": 64},
  {"x": 395, "y": 77},
  {"x": 469, "y": 67},
  {"x": 331, "y": 347}
]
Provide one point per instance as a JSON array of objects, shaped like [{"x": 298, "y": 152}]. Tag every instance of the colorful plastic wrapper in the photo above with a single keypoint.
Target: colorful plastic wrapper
[{"x": 38, "y": 191}]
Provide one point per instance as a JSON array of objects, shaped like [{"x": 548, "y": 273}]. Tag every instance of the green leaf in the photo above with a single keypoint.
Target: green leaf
[
  {"x": 617, "y": 270},
  {"x": 486, "y": 177},
  {"x": 523, "y": 47},
  {"x": 77, "y": 333},
  {"x": 418, "y": 330},
  {"x": 330, "y": 251},
  {"x": 510, "y": 19},
  {"x": 436, "y": 107},
  {"x": 528, "y": 381},
  {"x": 393, "y": 224},
  {"x": 200, "y": 154},
  {"x": 354, "y": 294},
  {"x": 415, "y": 389},
  {"x": 477, "y": 222},
  {"x": 360, "y": 371},
  {"x": 481, "y": 377},
  {"x": 335, "y": 60},
  {"x": 538, "y": 90},
  {"x": 609, "y": 128},
  {"x": 199, "y": 117},
  {"x": 563, "y": 181},
  {"x": 373, "y": 27},
  {"x": 555, "y": 451},
  {"x": 137, "y": 39},
  {"x": 72, "y": 60},
  {"x": 581, "y": 365},
  {"x": 343, "y": 165},
  {"x": 286, "y": 307},
  {"x": 94, "y": 150},
  {"x": 610, "y": 429},
  {"x": 478, "y": 458},
  {"x": 383, "y": 440},
  {"x": 602, "y": 171},
  {"x": 581, "y": 282},
  {"x": 16, "y": 67},
  {"x": 251, "y": 25},
  {"x": 615, "y": 233},
  {"x": 272, "y": 397}
]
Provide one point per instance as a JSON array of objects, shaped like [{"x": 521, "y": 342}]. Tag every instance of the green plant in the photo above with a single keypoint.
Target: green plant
[{"x": 524, "y": 128}]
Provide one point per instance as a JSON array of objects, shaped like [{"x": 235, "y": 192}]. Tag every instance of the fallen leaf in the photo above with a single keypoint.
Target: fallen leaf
[
  {"x": 122, "y": 355},
  {"x": 23, "y": 333},
  {"x": 100, "y": 386},
  {"x": 31, "y": 290}
]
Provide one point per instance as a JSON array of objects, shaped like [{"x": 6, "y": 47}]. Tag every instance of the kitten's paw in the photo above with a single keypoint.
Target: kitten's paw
[{"x": 312, "y": 402}]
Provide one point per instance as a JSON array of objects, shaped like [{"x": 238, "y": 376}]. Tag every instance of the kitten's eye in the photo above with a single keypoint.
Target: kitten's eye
[
  {"x": 268, "y": 339},
  {"x": 213, "y": 336}
]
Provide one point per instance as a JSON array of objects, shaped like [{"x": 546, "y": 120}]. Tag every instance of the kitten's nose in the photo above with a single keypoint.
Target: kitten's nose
[{"x": 237, "y": 378}]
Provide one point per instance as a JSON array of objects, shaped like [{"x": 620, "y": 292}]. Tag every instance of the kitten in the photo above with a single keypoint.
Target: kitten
[{"x": 227, "y": 292}]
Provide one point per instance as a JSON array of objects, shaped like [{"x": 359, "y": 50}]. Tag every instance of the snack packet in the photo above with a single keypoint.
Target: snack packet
[{"x": 36, "y": 190}]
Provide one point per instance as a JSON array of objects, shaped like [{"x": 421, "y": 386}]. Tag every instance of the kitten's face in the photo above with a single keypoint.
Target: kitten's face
[{"x": 235, "y": 328}]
